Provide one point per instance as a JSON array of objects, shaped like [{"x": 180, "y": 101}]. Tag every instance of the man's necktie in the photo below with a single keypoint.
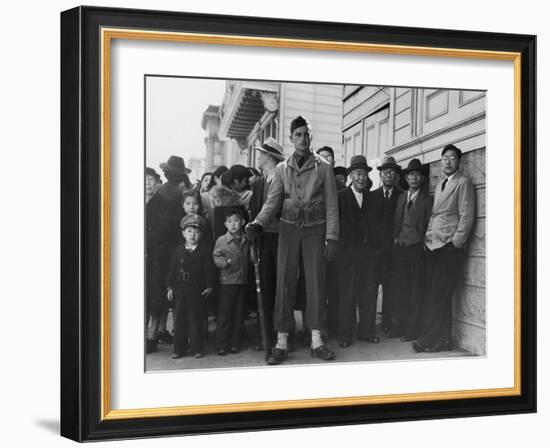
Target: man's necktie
[
  {"x": 386, "y": 194},
  {"x": 409, "y": 204},
  {"x": 443, "y": 184}
]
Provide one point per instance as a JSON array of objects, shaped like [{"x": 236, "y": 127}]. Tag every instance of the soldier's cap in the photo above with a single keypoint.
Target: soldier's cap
[
  {"x": 452, "y": 148},
  {"x": 298, "y": 122},
  {"x": 193, "y": 220}
]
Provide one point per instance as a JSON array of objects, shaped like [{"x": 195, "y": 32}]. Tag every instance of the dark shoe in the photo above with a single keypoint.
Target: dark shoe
[
  {"x": 443, "y": 347},
  {"x": 150, "y": 346},
  {"x": 344, "y": 343},
  {"x": 374, "y": 340},
  {"x": 258, "y": 347},
  {"x": 278, "y": 355},
  {"x": 322, "y": 353},
  {"x": 176, "y": 355},
  {"x": 198, "y": 355},
  {"x": 165, "y": 337},
  {"x": 222, "y": 352},
  {"x": 234, "y": 349},
  {"x": 418, "y": 348},
  {"x": 408, "y": 339}
]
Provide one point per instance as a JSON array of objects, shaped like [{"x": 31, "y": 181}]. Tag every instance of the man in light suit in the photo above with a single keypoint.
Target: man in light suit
[
  {"x": 412, "y": 214},
  {"x": 450, "y": 225}
]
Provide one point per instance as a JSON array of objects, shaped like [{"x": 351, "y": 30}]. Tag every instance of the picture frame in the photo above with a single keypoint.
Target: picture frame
[{"x": 87, "y": 175}]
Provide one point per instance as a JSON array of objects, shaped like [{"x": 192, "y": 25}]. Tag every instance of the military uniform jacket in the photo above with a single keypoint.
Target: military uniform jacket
[
  {"x": 307, "y": 195},
  {"x": 191, "y": 273}
]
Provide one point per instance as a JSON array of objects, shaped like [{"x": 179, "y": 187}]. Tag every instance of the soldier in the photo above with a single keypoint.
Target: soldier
[{"x": 305, "y": 186}]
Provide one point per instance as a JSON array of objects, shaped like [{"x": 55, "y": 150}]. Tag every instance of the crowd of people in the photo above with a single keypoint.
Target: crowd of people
[{"x": 326, "y": 243}]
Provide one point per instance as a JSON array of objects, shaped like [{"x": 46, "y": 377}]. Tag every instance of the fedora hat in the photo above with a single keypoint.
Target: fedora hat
[
  {"x": 415, "y": 165},
  {"x": 271, "y": 147},
  {"x": 358, "y": 161},
  {"x": 388, "y": 162},
  {"x": 175, "y": 164}
]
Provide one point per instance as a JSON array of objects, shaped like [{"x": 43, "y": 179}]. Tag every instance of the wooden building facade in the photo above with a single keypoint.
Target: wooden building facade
[{"x": 409, "y": 123}]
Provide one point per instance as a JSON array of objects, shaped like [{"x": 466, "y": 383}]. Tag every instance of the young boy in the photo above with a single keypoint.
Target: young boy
[
  {"x": 190, "y": 281},
  {"x": 231, "y": 257}
]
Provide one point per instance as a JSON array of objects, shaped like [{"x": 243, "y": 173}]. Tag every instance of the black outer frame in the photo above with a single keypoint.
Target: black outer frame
[{"x": 81, "y": 212}]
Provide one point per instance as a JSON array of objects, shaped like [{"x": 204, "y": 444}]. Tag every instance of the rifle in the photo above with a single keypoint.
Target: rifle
[{"x": 259, "y": 298}]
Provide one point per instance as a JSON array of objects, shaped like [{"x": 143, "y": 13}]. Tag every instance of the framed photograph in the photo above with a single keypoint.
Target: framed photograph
[{"x": 277, "y": 224}]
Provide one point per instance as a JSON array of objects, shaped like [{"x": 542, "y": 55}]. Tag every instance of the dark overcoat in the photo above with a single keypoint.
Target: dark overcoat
[
  {"x": 384, "y": 211},
  {"x": 160, "y": 233},
  {"x": 190, "y": 273},
  {"x": 356, "y": 226}
]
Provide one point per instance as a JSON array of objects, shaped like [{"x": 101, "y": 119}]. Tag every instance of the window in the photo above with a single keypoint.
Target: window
[{"x": 376, "y": 128}]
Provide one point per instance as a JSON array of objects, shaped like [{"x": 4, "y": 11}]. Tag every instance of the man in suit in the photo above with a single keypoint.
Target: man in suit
[
  {"x": 268, "y": 156},
  {"x": 353, "y": 259},
  {"x": 384, "y": 200},
  {"x": 448, "y": 230},
  {"x": 412, "y": 214}
]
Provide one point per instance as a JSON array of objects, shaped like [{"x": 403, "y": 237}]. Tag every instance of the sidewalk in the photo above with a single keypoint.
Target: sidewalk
[{"x": 387, "y": 350}]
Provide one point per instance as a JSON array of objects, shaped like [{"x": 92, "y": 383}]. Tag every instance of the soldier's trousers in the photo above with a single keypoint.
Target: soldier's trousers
[{"x": 310, "y": 242}]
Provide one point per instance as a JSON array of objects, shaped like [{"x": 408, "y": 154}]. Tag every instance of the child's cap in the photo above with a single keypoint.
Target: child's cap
[{"x": 193, "y": 220}]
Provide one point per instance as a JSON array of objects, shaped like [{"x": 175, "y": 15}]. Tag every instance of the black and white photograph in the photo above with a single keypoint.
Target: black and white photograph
[
  {"x": 291, "y": 223},
  {"x": 276, "y": 223}
]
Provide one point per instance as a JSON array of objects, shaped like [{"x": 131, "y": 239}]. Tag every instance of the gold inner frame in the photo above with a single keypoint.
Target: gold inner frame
[{"x": 107, "y": 35}]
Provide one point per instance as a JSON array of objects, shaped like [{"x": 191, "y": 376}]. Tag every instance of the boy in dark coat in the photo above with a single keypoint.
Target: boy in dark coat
[{"x": 190, "y": 281}]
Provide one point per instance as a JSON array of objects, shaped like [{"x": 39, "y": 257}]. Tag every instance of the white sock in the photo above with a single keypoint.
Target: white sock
[
  {"x": 282, "y": 341},
  {"x": 316, "y": 340}
]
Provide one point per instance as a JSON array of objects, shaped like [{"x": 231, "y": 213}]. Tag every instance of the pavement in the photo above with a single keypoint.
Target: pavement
[{"x": 389, "y": 349}]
